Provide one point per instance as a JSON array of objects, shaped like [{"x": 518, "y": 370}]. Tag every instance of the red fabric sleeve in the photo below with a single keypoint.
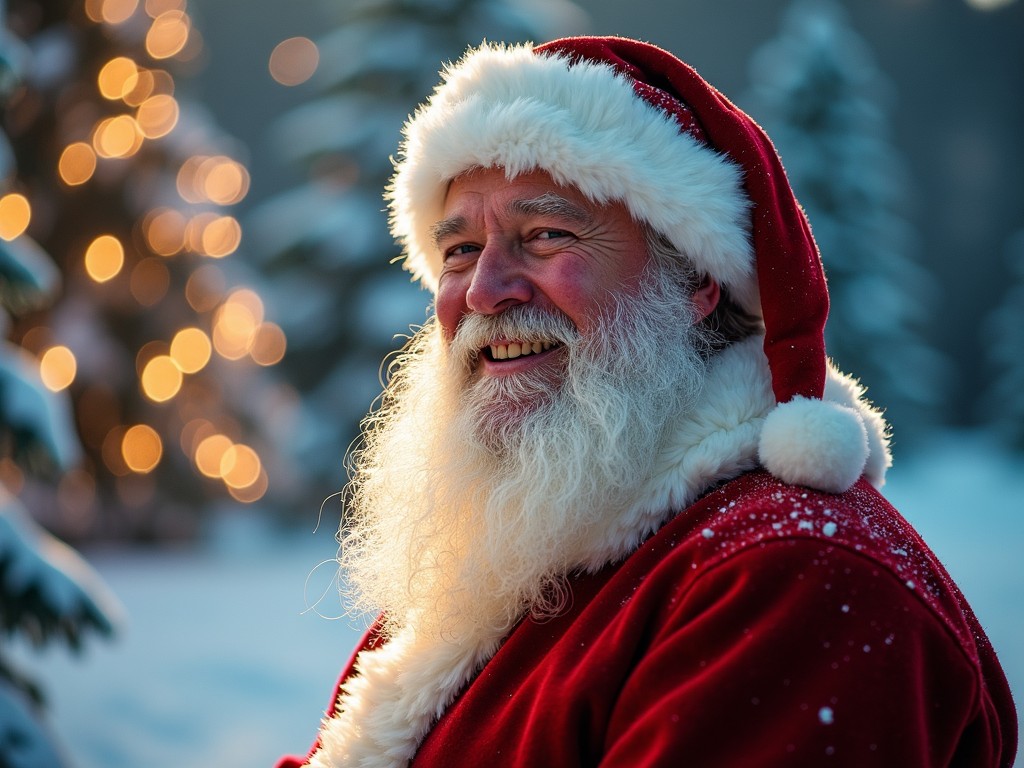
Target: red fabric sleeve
[{"x": 794, "y": 653}]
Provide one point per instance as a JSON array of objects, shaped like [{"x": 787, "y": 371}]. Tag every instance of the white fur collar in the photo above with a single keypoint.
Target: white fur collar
[{"x": 403, "y": 687}]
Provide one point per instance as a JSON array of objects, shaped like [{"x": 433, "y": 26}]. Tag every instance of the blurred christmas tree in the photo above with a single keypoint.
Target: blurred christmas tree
[
  {"x": 47, "y": 592},
  {"x": 324, "y": 247},
  {"x": 1003, "y": 337},
  {"x": 128, "y": 186},
  {"x": 821, "y": 98}
]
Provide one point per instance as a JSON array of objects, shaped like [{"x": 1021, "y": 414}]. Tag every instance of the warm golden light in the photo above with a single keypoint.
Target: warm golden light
[
  {"x": 151, "y": 82},
  {"x": 149, "y": 281},
  {"x": 164, "y": 230},
  {"x": 240, "y": 466},
  {"x": 269, "y": 346},
  {"x": 141, "y": 448},
  {"x": 204, "y": 288},
  {"x": 57, "y": 368},
  {"x": 293, "y": 61},
  {"x": 77, "y": 163},
  {"x": 155, "y": 7},
  {"x": 117, "y": 137},
  {"x": 94, "y": 10},
  {"x": 210, "y": 452},
  {"x": 248, "y": 298},
  {"x": 220, "y": 237},
  {"x": 104, "y": 258},
  {"x": 222, "y": 180},
  {"x": 15, "y": 214},
  {"x": 191, "y": 349},
  {"x": 113, "y": 11},
  {"x": 161, "y": 378},
  {"x": 118, "y": 77},
  {"x": 157, "y": 116},
  {"x": 251, "y": 493},
  {"x": 234, "y": 328},
  {"x": 168, "y": 34},
  {"x": 144, "y": 86}
]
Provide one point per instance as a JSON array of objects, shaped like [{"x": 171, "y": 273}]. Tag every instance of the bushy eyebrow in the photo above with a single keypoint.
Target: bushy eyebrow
[
  {"x": 444, "y": 228},
  {"x": 548, "y": 204}
]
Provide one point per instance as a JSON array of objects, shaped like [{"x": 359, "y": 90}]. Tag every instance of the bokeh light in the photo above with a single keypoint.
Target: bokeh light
[
  {"x": 240, "y": 466},
  {"x": 104, "y": 258},
  {"x": 216, "y": 179},
  {"x": 222, "y": 180},
  {"x": 294, "y": 61},
  {"x": 219, "y": 236},
  {"x": 118, "y": 77},
  {"x": 164, "y": 231},
  {"x": 110, "y": 11},
  {"x": 77, "y": 163},
  {"x": 251, "y": 493},
  {"x": 57, "y": 368},
  {"x": 191, "y": 349},
  {"x": 210, "y": 452},
  {"x": 117, "y": 136},
  {"x": 235, "y": 324},
  {"x": 141, "y": 448},
  {"x": 168, "y": 34},
  {"x": 157, "y": 116},
  {"x": 15, "y": 214},
  {"x": 269, "y": 346},
  {"x": 155, "y": 7},
  {"x": 151, "y": 82},
  {"x": 161, "y": 378}
]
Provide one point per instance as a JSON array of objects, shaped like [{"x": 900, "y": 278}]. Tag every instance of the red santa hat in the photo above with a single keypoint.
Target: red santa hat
[{"x": 624, "y": 120}]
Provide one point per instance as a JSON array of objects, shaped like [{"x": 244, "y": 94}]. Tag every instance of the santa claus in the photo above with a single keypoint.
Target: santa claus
[{"x": 616, "y": 507}]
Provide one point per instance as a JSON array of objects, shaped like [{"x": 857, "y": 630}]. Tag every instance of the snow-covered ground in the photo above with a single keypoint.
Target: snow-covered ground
[{"x": 220, "y": 665}]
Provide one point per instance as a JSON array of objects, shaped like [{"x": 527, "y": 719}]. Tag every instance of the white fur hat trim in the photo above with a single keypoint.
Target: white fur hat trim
[{"x": 815, "y": 443}]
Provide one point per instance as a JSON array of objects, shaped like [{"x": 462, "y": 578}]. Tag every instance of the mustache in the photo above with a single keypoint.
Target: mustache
[{"x": 520, "y": 323}]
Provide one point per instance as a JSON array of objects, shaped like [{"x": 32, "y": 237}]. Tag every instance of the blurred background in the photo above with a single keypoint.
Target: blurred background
[{"x": 197, "y": 296}]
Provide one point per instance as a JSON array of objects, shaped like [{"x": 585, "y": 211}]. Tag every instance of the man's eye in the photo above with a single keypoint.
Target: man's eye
[
  {"x": 552, "y": 234},
  {"x": 460, "y": 250}
]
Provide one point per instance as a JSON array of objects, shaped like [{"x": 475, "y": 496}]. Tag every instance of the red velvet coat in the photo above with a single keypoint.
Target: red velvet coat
[{"x": 766, "y": 625}]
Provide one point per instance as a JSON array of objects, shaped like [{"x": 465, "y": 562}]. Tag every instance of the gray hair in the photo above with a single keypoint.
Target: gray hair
[{"x": 727, "y": 323}]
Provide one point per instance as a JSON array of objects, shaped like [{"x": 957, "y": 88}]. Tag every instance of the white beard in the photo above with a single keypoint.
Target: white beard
[{"x": 473, "y": 497}]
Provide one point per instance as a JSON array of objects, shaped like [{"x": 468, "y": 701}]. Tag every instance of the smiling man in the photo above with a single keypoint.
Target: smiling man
[{"x": 616, "y": 507}]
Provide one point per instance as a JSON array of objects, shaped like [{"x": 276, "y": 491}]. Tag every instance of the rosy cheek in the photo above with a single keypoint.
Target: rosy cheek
[{"x": 449, "y": 306}]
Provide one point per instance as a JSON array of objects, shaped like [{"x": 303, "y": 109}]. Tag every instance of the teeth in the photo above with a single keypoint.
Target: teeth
[{"x": 519, "y": 349}]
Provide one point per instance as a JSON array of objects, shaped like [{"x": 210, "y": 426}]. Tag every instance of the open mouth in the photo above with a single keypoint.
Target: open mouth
[{"x": 516, "y": 349}]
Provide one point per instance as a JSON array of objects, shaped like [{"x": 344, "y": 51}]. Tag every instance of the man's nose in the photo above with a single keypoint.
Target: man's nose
[{"x": 500, "y": 280}]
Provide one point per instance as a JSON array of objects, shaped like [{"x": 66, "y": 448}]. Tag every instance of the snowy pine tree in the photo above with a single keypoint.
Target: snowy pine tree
[
  {"x": 1004, "y": 338},
  {"x": 47, "y": 592},
  {"x": 820, "y": 96},
  {"x": 324, "y": 247}
]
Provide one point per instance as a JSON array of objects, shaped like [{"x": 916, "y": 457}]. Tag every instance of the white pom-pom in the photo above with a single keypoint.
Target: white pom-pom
[{"x": 815, "y": 443}]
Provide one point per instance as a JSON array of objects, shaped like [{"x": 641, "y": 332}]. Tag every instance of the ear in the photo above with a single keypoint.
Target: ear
[{"x": 705, "y": 298}]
